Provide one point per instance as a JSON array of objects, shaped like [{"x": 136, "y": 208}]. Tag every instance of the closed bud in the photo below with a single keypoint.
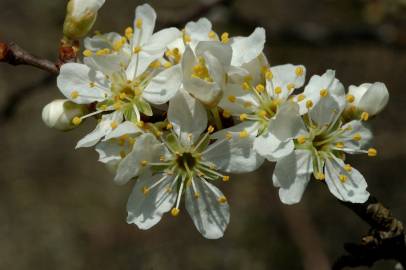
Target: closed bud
[
  {"x": 80, "y": 17},
  {"x": 59, "y": 114},
  {"x": 369, "y": 98}
]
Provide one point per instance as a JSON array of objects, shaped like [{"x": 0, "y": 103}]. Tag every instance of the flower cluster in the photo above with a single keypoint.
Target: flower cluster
[{"x": 179, "y": 110}]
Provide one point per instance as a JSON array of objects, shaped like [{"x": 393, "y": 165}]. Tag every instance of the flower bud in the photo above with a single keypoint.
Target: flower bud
[
  {"x": 369, "y": 98},
  {"x": 59, "y": 113},
  {"x": 80, "y": 17}
]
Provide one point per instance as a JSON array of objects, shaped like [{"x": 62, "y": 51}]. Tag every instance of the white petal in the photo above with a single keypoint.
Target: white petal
[
  {"x": 355, "y": 128},
  {"x": 145, "y": 148},
  {"x": 102, "y": 129},
  {"x": 198, "y": 31},
  {"x": 209, "y": 215},
  {"x": 250, "y": 126},
  {"x": 163, "y": 86},
  {"x": 247, "y": 48},
  {"x": 124, "y": 128},
  {"x": 245, "y": 101},
  {"x": 222, "y": 52},
  {"x": 317, "y": 83},
  {"x": 81, "y": 7},
  {"x": 292, "y": 174},
  {"x": 287, "y": 122},
  {"x": 187, "y": 115},
  {"x": 235, "y": 155},
  {"x": 140, "y": 62},
  {"x": 160, "y": 40},
  {"x": 146, "y": 210},
  {"x": 285, "y": 77},
  {"x": 108, "y": 64},
  {"x": 209, "y": 93},
  {"x": 326, "y": 111},
  {"x": 353, "y": 189},
  {"x": 110, "y": 151},
  {"x": 147, "y": 15},
  {"x": 79, "y": 78},
  {"x": 375, "y": 99},
  {"x": 271, "y": 148}
]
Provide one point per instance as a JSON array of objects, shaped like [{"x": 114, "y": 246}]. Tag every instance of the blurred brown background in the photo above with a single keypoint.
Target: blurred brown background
[{"x": 59, "y": 208}]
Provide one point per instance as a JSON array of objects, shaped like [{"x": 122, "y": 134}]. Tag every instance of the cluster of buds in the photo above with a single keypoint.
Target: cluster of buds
[{"x": 179, "y": 110}]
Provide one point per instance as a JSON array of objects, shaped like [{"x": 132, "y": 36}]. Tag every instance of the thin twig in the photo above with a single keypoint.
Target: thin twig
[
  {"x": 13, "y": 54},
  {"x": 385, "y": 240}
]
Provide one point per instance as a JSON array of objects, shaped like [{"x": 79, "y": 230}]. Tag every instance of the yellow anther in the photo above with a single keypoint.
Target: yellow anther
[
  {"x": 117, "y": 106},
  {"x": 212, "y": 35},
  {"x": 144, "y": 162},
  {"x": 278, "y": 90},
  {"x": 340, "y": 145},
  {"x": 103, "y": 107},
  {"x": 210, "y": 129},
  {"x": 129, "y": 32},
  {"x": 122, "y": 154},
  {"x": 309, "y": 104},
  {"x": 300, "y": 97},
  {"x": 260, "y": 88},
  {"x": 138, "y": 23},
  {"x": 74, "y": 94},
  {"x": 226, "y": 114},
  {"x": 137, "y": 49},
  {"x": 299, "y": 71},
  {"x": 323, "y": 92},
  {"x": 225, "y": 37},
  {"x": 226, "y": 178},
  {"x": 229, "y": 135},
  {"x": 76, "y": 120},
  {"x": 167, "y": 65},
  {"x": 364, "y": 116},
  {"x": 243, "y": 134},
  {"x": 131, "y": 141},
  {"x": 372, "y": 152},
  {"x": 140, "y": 124},
  {"x": 92, "y": 84},
  {"x": 122, "y": 95},
  {"x": 145, "y": 190},
  {"x": 114, "y": 125},
  {"x": 158, "y": 133},
  {"x": 320, "y": 176},
  {"x": 87, "y": 53},
  {"x": 102, "y": 52},
  {"x": 291, "y": 86},
  {"x": 347, "y": 167},
  {"x": 197, "y": 195},
  {"x": 262, "y": 113},
  {"x": 118, "y": 45},
  {"x": 301, "y": 139},
  {"x": 175, "y": 212},
  {"x": 187, "y": 39},
  {"x": 269, "y": 75},
  {"x": 190, "y": 136},
  {"x": 161, "y": 158},
  {"x": 246, "y": 86},
  {"x": 350, "y": 98},
  {"x": 169, "y": 126},
  {"x": 232, "y": 99},
  {"x": 97, "y": 33},
  {"x": 243, "y": 117},
  {"x": 248, "y": 78},
  {"x": 155, "y": 64},
  {"x": 222, "y": 199},
  {"x": 357, "y": 137},
  {"x": 343, "y": 178},
  {"x": 247, "y": 104}
]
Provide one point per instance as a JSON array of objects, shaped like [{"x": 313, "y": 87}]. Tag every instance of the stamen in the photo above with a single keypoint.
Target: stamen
[
  {"x": 226, "y": 114},
  {"x": 300, "y": 97},
  {"x": 269, "y": 75},
  {"x": 74, "y": 94},
  {"x": 243, "y": 117},
  {"x": 309, "y": 104},
  {"x": 347, "y": 167},
  {"x": 323, "y": 92},
  {"x": 364, "y": 116},
  {"x": 243, "y": 134},
  {"x": 144, "y": 163},
  {"x": 350, "y": 98},
  {"x": 226, "y": 178},
  {"x": 222, "y": 199},
  {"x": 225, "y": 38},
  {"x": 232, "y": 99},
  {"x": 138, "y": 23},
  {"x": 137, "y": 49},
  {"x": 87, "y": 53},
  {"x": 299, "y": 71},
  {"x": 76, "y": 120},
  {"x": 301, "y": 139},
  {"x": 129, "y": 32},
  {"x": 372, "y": 152},
  {"x": 343, "y": 178},
  {"x": 357, "y": 137}
]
